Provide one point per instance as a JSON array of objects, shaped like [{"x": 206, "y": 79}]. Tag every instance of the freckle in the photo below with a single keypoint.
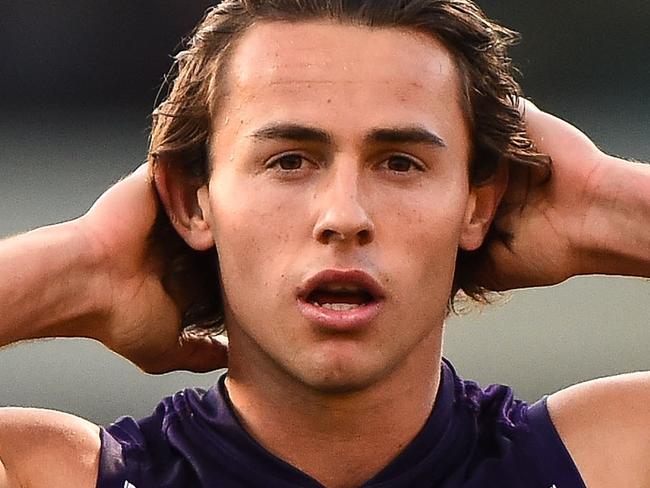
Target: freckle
[{"x": 329, "y": 100}]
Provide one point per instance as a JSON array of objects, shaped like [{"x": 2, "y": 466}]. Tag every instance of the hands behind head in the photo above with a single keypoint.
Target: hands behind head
[
  {"x": 142, "y": 322},
  {"x": 547, "y": 221}
]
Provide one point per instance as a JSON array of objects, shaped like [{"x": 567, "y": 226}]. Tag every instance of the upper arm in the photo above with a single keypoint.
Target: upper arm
[
  {"x": 605, "y": 425},
  {"x": 5, "y": 480},
  {"x": 44, "y": 448}
]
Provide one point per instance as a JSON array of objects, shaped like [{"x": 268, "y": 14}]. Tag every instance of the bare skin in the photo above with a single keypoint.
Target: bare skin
[
  {"x": 578, "y": 223},
  {"x": 113, "y": 282},
  {"x": 34, "y": 441},
  {"x": 343, "y": 208}
]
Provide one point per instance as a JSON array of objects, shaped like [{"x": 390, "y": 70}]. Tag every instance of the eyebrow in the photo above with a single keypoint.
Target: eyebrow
[
  {"x": 303, "y": 133},
  {"x": 405, "y": 135},
  {"x": 292, "y": 132}
]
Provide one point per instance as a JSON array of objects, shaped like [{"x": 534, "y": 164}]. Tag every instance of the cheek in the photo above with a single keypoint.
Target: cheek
[
  {"x": 428, "y": 220},
  {"x": 245, "y": 240},
  {"x": 253, "y": 232},
  {"x": 423, "y": 240}
]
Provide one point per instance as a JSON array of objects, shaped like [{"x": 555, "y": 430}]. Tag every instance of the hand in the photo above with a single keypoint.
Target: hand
[
  {"x": 142, "y": 322},
  {"x": 547, "y": 221}
]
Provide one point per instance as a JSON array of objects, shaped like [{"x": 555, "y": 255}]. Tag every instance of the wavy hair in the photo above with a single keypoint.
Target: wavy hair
[{"x": 182, "y": 122}]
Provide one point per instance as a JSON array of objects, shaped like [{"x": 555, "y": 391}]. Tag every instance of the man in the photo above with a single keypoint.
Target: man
[{"x": 348, "y": 189}]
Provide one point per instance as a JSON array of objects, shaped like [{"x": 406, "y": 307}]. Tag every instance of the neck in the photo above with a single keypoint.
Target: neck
[{"x": 339, "y": 439}]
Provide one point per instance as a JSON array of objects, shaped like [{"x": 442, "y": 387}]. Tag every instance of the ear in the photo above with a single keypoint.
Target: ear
[
  {"x": 482, "y": 205},
  {"x": 185, "y": 199}
]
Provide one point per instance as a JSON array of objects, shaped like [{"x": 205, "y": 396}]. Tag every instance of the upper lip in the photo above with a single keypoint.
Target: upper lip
[{"x": 348, "y": 276}]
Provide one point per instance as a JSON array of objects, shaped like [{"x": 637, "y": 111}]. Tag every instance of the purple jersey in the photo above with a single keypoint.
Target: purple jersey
[{"x": 474, "y": 438}]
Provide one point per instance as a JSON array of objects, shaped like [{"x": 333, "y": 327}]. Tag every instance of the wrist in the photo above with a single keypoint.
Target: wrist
[
  {"x": 615, "y": 231},
  {"x": 63, "y": 274},
  {"x": 92, "y": 303}
]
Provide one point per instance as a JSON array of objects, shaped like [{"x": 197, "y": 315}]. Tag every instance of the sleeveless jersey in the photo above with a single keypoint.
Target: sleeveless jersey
[{"x": 474, "y": 438}]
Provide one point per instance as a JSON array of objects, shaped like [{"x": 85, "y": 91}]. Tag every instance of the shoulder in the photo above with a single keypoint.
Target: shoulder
[
  {"x": 45, "y": 448},
  {"x": 508, "y": 442},
  {"x": 605, "y": 426},
  {"x": 158, "y": 450}
]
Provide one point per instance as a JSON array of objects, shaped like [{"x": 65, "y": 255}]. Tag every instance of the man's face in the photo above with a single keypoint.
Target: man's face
[{"x": 339, "y": 162}]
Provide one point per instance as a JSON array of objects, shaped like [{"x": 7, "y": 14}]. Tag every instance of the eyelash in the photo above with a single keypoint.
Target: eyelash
[
  {"x": 415, "y": 164},
  {"x": 275, "y": 162}
]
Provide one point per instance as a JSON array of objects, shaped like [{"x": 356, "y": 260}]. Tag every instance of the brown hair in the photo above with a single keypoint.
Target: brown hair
[{"x": 182, "y": 122}]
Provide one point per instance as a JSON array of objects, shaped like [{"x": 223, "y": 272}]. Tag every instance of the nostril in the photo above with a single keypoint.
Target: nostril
[
  {"x": 365, "y": 236},
  {"x": 328, "y": 235}
]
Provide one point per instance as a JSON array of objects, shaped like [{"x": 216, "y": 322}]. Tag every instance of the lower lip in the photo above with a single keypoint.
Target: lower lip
[{"x": 340, "y": 320}]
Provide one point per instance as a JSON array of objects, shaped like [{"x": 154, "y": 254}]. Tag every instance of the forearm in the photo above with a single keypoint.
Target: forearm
[
  {"x": 616, "y": 238},
  {"x": 46, "y": 284}
]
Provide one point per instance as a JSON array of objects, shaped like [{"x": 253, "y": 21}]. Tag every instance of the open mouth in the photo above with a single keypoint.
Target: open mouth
[
  {"x": 340, "y": 296},
  {"x": 341, "y": 300},
  {"x": 341, "y": 290}
]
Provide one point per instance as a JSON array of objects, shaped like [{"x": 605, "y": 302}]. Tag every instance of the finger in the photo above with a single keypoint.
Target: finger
[
  {"x": 195, "y": 354},
  {"x": 549, "y": 132},
  {"x": 133, "y": 192},
  {"x": 525, "y": 106},
  {"x": 140, "y": 172}
]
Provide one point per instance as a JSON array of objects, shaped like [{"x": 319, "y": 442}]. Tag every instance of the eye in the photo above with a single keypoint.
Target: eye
[
  {"x": 402, "y": 164},
  {"x": 287, "y": 162}
]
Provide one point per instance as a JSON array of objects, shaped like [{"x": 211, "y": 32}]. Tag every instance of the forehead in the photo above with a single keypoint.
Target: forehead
[
  {"x": 282, "y": 50},
  {"x": 327, "y": 71}
]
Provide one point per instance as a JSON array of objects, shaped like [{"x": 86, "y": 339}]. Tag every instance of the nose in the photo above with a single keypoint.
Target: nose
[{"x": 342, "y": 216}]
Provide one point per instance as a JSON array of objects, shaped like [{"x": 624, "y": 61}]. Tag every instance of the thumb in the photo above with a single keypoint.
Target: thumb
[{"x": 198, "y": 354}]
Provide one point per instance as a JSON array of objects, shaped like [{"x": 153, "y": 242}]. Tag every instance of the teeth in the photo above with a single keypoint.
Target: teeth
[
  {"x": 338, "y": 306},
  {"x": 342, "y": 287}
]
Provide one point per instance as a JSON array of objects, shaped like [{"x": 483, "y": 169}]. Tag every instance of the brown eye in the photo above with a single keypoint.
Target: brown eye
[
  {"x": 401, "y": 164},
  {"x": 289, "y": 162}
]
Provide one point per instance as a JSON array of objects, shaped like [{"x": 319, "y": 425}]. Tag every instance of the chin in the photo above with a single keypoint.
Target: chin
[
  {"x": 339, "y": 386},
  {"x": 340, "y": 378}
]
